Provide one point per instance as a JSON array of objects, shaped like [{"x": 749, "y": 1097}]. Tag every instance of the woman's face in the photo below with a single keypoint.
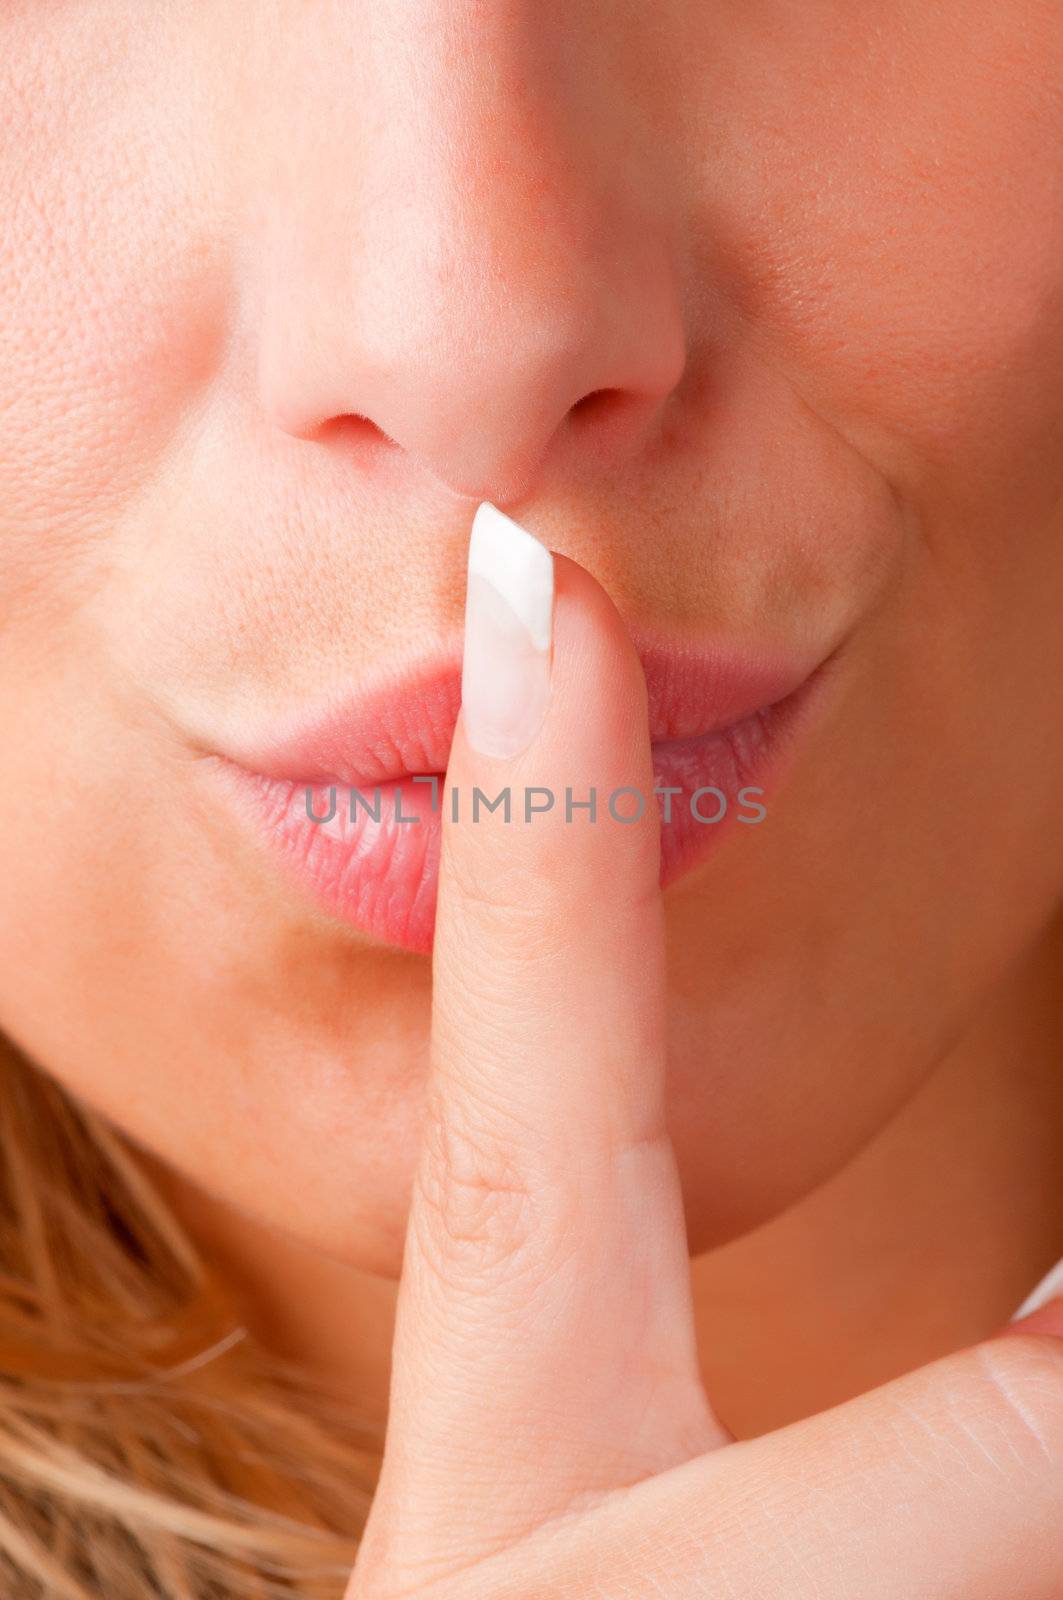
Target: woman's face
[{"x": 285, "y": 290}]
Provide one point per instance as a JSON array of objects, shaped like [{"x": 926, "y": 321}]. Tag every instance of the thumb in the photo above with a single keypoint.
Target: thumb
[{"x": 544, "y": 1348}]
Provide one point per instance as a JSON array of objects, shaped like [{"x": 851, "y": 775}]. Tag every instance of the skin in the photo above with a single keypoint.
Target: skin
[{"x": 283, "y": 293}]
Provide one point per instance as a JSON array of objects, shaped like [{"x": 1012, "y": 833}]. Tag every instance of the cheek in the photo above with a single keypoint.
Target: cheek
[
  {"x": 899, "y": 228},
  {"x": 111, "y": 287},
  {"x": 888, "y": 208},
  {"x": 112, "y": 303}
]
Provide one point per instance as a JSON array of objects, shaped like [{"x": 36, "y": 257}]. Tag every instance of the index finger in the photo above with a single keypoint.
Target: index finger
[{"x": 545, "y": 1348}]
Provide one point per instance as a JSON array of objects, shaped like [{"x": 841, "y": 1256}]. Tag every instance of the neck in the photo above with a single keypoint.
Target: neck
[{"x": 925, "y": 1242}]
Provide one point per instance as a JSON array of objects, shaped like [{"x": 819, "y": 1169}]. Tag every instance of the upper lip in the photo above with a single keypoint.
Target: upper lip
[{"x": 404, "y": 726}]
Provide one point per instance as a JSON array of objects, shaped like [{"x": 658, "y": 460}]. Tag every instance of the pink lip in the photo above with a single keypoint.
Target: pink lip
[{"x": 718, "y": 720}]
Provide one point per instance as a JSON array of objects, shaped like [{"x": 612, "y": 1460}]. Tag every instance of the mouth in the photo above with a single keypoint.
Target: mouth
[{"x": 350, "y": 803}]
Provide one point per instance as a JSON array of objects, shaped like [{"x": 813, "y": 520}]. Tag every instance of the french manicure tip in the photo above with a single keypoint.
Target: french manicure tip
[
  {"x": 518, "y": 566},
  {"x": 1048, "y": 1289}
]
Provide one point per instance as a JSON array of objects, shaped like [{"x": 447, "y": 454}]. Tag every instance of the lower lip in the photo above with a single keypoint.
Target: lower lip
[{"x": 374, "y": 864}]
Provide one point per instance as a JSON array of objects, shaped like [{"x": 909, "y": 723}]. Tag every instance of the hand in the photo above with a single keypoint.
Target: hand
[{"x": 549, "y": 1434}]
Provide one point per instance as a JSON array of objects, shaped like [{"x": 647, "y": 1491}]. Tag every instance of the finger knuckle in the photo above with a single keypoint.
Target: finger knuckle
[
  {"x": 479, "y": 1210},
  {"x": 1021, "y": 1384}
]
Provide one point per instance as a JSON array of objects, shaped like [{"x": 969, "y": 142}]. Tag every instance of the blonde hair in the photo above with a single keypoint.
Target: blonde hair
[{"x": 148, "y": 1446}]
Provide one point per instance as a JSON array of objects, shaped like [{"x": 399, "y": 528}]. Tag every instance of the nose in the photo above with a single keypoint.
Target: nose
[{"x": 465, "y": 249}]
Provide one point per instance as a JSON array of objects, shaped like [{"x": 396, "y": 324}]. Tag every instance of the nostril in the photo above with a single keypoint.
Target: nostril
[
  {"x": 605, "y": 406},
  {"x": 594, "y": 402},
  {"x": 352, "y": 428},
  {"x": 607, "y": 412}
]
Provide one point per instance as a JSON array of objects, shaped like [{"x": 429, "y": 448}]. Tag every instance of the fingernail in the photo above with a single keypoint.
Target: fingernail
[
  {"x": 1046, "y": 1290},
  {"x": 509, "y": 605}
]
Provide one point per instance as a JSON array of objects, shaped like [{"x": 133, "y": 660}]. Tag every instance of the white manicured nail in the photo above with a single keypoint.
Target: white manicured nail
[
  {"x": 1048, "y": 1289},
  {"x": 509, "y": 608}
]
